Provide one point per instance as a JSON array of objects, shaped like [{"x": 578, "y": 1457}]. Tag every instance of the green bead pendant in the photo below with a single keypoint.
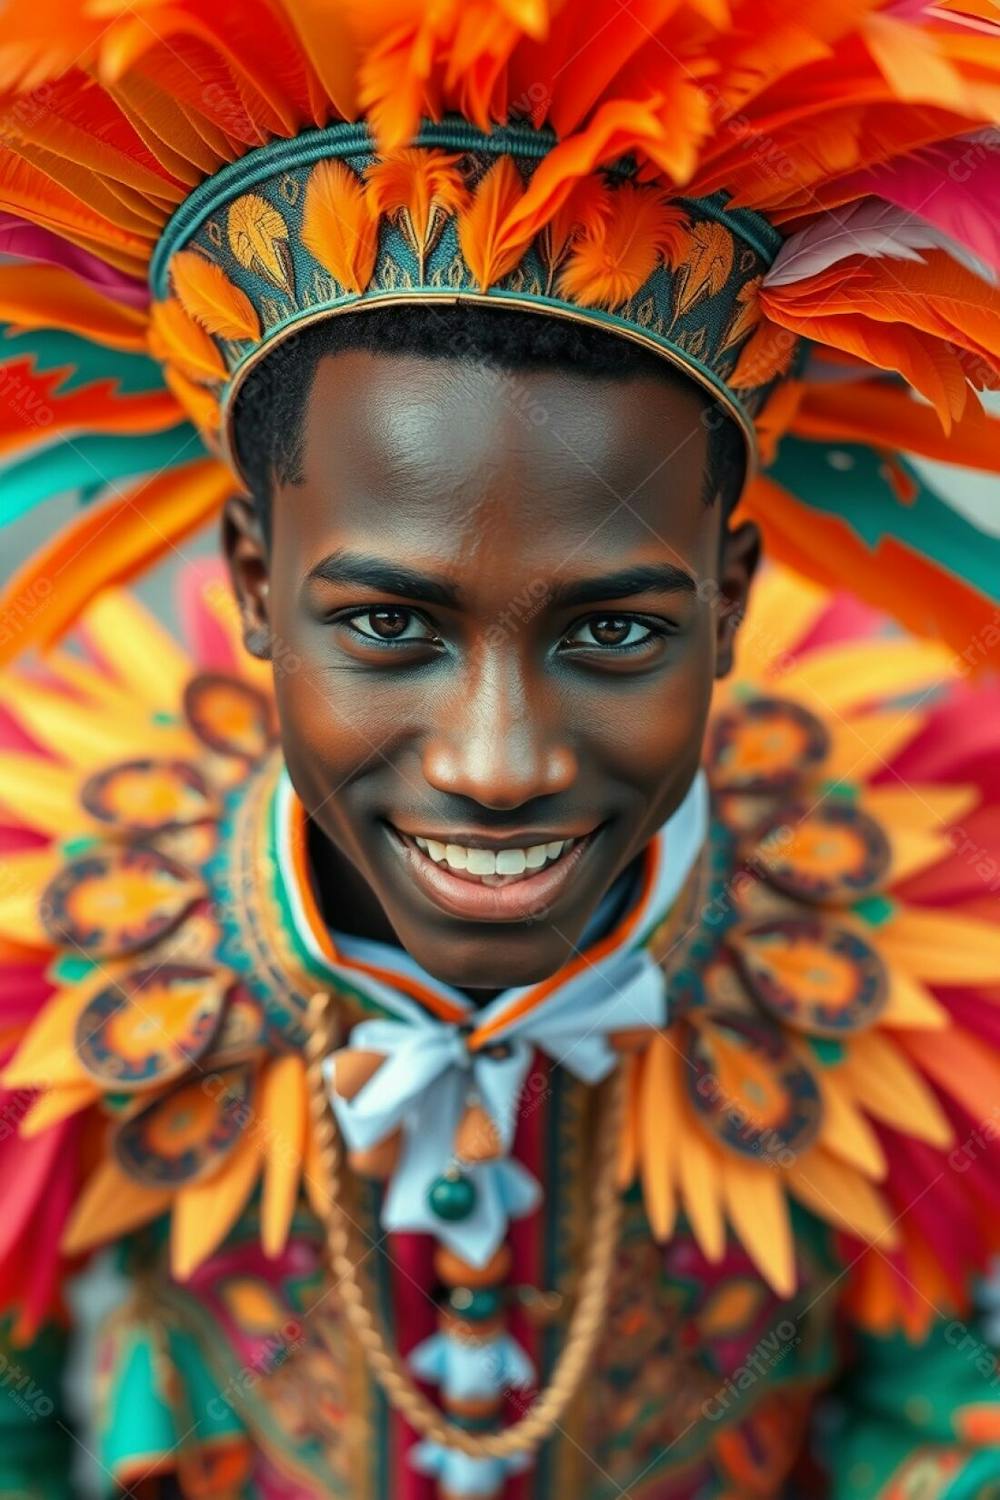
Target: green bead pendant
[{"x": 452, "y": 1196}]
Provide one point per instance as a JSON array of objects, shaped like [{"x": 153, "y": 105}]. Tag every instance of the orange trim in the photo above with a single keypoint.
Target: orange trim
[
  {"x": 528, "y": 1002},
  {"x": 435, "y": 1003}
]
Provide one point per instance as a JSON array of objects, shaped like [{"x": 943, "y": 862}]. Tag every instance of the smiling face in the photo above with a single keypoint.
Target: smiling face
[{"x": 506, "y": 601}]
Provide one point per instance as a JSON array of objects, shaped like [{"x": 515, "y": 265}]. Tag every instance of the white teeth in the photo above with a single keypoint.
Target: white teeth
[
  {"x": 487, "y": 862},
  {"x": 456, "y": 856}
]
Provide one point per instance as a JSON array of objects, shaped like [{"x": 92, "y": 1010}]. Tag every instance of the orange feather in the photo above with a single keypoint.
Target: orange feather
[
  {"x": 481, "y": 224},
  {"x": 173, "y": 336},
  {"x": 609, "y": 263},
  {"x": 707, "y": 263},
  {"x": 887, "y": 416},
  {"x": 51, "y": 297},
  {"x": 338, "y": 226},
  {"x": 420, "y": 190},
  {"x": 207, "y": 294},
  {"x": 109, "y": 543}
]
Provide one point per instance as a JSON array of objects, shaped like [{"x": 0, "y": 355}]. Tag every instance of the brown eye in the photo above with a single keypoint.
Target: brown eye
[
  {"x": 388, "y": 623},
  {"x": 611, "y": 630}
]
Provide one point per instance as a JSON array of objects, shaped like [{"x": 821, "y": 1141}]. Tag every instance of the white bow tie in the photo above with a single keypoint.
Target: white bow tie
[{"x": 429, "y": 1072}]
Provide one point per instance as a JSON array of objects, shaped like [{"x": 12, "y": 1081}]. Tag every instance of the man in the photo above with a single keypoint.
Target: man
[{"x": 524, "y": 1021}]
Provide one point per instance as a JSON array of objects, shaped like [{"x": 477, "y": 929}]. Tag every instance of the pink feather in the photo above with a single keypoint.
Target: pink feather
[
  {"x": 872, "y": 228},
  {"x": 955, "y": 186},
  {"x": 32, "y": 243}
]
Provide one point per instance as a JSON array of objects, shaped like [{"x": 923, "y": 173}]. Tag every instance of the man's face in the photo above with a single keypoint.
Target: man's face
[{"x": 507, "y": 601}]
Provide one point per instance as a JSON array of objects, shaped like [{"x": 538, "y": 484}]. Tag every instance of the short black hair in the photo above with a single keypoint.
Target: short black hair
[{"x": 270, "y": 405}]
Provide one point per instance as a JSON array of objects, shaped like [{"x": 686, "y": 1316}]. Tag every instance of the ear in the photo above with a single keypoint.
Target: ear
[
  {"x": 739, "y": 554},
  {"x": 246, "y": 557}
]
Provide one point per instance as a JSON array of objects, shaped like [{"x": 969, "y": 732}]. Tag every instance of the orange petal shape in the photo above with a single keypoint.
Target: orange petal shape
[
  {"x": 208, "y": 295},
  {"x": 338, "y": 226}
]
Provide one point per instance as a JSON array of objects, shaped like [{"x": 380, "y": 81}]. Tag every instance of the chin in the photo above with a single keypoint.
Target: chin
[{"x": 488, "y": 964}]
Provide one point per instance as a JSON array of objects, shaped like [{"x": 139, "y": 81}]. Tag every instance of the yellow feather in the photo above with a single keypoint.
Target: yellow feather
[
  {"x": 887, "y": 1086},
  {"x": 941, "y": 948},
  {"x": 842, "y": 1197},
  {"x": 846, "y": 1133},
  {"x": 755, "y": 1203},
  {"x": 56, "y": 1104},
  {"x": 205, "y": 1212},
  {"x": 24, "y": 878},
  {"x": 835, "y": 678},
  {"x": 283, "y": 1108},
  {"x": 865, "y": 743},
  {"x": 699, "y": 1169},
  {"x": 128, "y": 637},
  {"x": 338, "y": 226},
  {"x": 44, "y": 795},
  {"x": 659, "y": 1108},
  {"x": 47, "y": 1054},
  {"x": 258, "y": 237},
  {"x": 910, "y": 1005},
  {"x": 110, "y": 1205},
  {"x": 211, "y": 298}
]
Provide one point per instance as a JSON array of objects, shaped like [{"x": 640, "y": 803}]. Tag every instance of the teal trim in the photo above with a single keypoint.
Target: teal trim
[
  {"x": 82, "y": 462},
  {"x": 82, "y": 361},
  {"x": 528, "y": 299},
  {"x": 340, "y": 139},
  {"x": 861, "y": 496}
]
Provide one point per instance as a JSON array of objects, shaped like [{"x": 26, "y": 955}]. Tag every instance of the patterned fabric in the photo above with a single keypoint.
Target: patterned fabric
[
  {"x": 261, "y": 223},
  {"x": 808, "y": 1146}
]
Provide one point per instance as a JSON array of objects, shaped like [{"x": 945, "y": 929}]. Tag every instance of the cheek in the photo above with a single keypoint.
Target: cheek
[{"x": 651, "y": 738}]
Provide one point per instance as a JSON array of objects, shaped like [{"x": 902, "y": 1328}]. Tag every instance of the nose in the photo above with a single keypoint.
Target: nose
[{"x": 496, "y": 741}]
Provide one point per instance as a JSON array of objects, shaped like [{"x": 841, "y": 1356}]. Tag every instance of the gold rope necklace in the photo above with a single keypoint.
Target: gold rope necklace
[{"x": 383, "y": 1361}]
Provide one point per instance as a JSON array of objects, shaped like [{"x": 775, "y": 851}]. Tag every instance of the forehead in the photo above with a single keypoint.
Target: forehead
[{"x": 456, "y": 456}]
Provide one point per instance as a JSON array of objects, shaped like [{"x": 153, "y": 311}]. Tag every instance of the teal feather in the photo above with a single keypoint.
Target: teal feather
[
  {"x": 85, "y": 363},
  {"x": 854, "y": 487},
  {"x": 90, "y": 463}
]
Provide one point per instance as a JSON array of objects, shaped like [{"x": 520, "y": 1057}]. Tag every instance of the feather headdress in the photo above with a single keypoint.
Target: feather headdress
[{"x": 793, "y": 201}]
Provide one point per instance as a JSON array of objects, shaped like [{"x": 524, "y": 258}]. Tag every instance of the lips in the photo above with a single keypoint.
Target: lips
[{"x": 490, "y": 896}]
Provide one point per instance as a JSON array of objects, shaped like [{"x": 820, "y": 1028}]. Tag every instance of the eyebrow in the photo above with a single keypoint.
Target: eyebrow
[
  {"x": 650, "y": 578},
  {"x": 377, "y": 573},
  {"x": 361, "y": 571}
]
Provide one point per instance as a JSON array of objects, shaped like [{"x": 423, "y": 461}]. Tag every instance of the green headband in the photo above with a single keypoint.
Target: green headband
[{"x": 696, "y": 308}]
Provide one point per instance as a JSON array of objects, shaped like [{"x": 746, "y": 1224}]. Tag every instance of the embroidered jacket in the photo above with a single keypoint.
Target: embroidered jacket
[{"x": 809, "y": 1158}]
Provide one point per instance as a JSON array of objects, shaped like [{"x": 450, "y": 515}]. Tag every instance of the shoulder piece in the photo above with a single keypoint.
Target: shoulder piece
[
  {"x": 834, "y": 1004},
  {"x": 141, "y": 1073}
]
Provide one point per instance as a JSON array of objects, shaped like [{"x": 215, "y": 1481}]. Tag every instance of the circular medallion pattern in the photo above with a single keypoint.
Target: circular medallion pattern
[
  {"x": 749, "y": 1089},
  {"x": 822, "y": 978},
  {"x": 150, "y": 1026},
  {"x": 117, "y": 900},
  {"x": 145, "y": 796},
  {"x": 228, "y": 715},
  {"x": 831, "y": 853},
  {"x": 185, "y": 1135},
  {"x": 766, "y": 745}
]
